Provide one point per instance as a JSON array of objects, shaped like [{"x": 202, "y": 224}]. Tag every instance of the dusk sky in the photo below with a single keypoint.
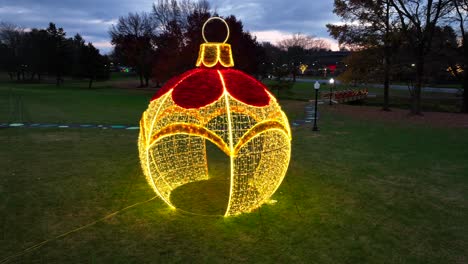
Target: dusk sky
[{"x": 269, "y": 20}]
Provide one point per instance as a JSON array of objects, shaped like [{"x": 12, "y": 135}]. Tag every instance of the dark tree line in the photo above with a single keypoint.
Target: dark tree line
[
  {"x": 417, "y": 41},
  {"x": 286, "y": 58},
  {"x": 31, "y": 55}
]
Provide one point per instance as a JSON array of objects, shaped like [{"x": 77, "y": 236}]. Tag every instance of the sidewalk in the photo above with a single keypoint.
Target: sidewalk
[{"x": 51, "y": 125}]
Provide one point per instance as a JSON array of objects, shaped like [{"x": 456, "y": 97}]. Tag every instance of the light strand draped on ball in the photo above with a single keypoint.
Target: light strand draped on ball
[{"x": 227, "y": 107}]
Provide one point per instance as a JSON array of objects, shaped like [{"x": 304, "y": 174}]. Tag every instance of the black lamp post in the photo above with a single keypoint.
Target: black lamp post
[
  {"x": 316, "y": 88},
  {"x": 332, "y": 85}
]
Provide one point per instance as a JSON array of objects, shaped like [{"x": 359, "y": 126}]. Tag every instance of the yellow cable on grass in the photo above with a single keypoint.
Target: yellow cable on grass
[{"x": 38, "y": 245}]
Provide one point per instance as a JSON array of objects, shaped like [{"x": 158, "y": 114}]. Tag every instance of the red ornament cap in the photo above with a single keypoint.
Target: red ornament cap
[{"x": 202, "y": 86}]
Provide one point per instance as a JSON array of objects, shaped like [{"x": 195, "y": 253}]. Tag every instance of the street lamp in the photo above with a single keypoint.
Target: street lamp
[
  {"x": 332, "y": 85},
  {"x": 316, "y": 88}
]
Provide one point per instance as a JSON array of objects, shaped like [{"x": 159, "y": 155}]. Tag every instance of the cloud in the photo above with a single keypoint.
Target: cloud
[
  {"x": 277, "y": 19},
  {"x": 272, "y": 36},
  {"x": 16, "y": 10},
  {"x": 106, "y": 45},
  {"x": 267, "y": 18},
  {"x": 89, "y": 18}
]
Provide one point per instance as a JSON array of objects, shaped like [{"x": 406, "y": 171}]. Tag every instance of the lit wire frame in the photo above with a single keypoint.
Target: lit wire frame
[{"x": 172, "y": 141}]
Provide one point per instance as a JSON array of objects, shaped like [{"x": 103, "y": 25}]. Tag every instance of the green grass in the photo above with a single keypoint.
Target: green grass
[
  {"x": 300, "y": 91},
  {"x": 72, "y": 103},
  {"x": 355, "y": 192},
  {"x": 435, "y": 85},
  {"x": 123, "y": 76},
  {"x": 431, "y": 101}
]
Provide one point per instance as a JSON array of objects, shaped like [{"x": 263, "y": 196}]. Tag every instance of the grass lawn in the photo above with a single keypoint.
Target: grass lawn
[
  {"x": 72, "y": 103},
  {"x": 118, "y": 76},
  {"x": 356, "y": 192}
]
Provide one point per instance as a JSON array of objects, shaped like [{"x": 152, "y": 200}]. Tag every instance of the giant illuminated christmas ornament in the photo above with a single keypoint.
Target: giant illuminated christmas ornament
[{"x": 227, "y": 107}]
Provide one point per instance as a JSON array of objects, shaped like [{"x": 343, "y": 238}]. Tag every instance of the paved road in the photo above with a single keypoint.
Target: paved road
[
  {"x": 55, "y": 125},
  {"x": 393, "y": 87},
  {"x": 425, "y": 89}
]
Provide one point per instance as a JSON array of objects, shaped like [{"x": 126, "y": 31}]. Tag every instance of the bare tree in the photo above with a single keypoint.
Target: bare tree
[
  {"x": 164, "y": 12},
  {"x": 132, "y": 37},
  {"x": 169, "y": 11},
  {"x": 9, "y": 33},
  {"x": 11, "y": 36},
  {"x": 418, "y": 21},
  {"x": 188, "y": 7},
  {"x": 134, "y": 24},
  {"x": 306, "y": 42}
]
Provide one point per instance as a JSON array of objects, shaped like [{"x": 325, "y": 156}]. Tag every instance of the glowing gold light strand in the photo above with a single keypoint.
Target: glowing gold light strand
[
  {"x": 215, "y": 135},
  {"x": 211, "y": 19},
  {"x": 256, "y": 139},
  {"x": 213, "y": 53},
  {"x": 165, "y": 133},
  {"x": 256, "y": 130},
  {"x": 147, "y": 168},
  {"x": 231, "y": 144},
  {"x": 191, "y": 129}
]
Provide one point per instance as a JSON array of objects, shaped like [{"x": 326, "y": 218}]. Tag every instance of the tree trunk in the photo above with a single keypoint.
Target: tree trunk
[
  {"x": 386, "y": 103},
  {"x": 146, "y": 81},
  {"x": 416, "y": 96},
  {"x": 416, "y": 99},
  {"x": 459, "y": 7},
  {"x": 465, "y": 76},
  {"x": 387, "y": 56},
  {"x": 59, "y": 78},
  {"x": 465, "y": 93},
  {"x": 141, "y": 78}
]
